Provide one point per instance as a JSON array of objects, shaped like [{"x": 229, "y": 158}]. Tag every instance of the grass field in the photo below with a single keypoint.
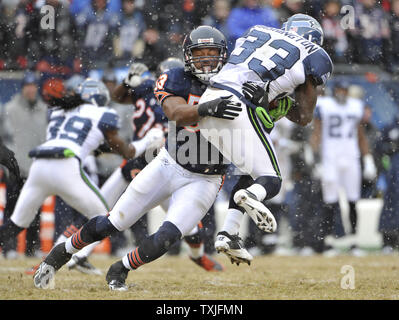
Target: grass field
[{"x": 177, "y": 278}]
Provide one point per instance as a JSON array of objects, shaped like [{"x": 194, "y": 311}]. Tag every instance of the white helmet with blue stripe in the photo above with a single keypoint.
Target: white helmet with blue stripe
[
  {"x": 95, "y": 92},
  {"x": 306, "y": 26}
]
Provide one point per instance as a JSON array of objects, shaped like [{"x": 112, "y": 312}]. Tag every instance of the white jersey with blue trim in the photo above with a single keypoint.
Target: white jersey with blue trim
[
  {"x": 282, "y": 59},
  {"x": 80, "y": 129},
  {"x": 339, "y": 127}
]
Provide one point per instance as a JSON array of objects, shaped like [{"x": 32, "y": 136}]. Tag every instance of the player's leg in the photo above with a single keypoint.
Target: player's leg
[
  {"x": 245, "y": 142},
  {"x": 113, "y": 187},
  {"x": 195, "y": 244},
  {"x": 146, "y": 191},
  {"x": 32, "y": 196},
  {"x": 330, "y": 184},
  {"x": 352, "y": 181},
  {"x": 227, "y": 239},
  {"x": 79, "y": 191},
  {"x": 189, "y": 204},
  {"x": 197, "y": 253}
]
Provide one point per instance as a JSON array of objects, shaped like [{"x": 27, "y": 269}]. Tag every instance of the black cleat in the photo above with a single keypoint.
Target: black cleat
[{"x": 116, "y": 276}]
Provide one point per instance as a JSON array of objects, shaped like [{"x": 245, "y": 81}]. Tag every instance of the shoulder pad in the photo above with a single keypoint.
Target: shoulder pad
[{"x": 319, "y": 66}]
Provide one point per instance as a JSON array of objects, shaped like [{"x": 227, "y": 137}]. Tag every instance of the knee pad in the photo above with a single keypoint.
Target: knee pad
[
  {"x": 271, "y": 184},
  {"x": 97, "y": 229},
  {"x": 159, "y": 243}
]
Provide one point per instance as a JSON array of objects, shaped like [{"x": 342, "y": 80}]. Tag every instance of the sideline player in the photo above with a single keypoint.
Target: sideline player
[
  {"x": 78, "y": 124},
  {"x": 191, "y": 183},
  {"x": 138, "y": 88},
  {"x": 267, "y": 65},
  {"x": 340, "y": 141}
]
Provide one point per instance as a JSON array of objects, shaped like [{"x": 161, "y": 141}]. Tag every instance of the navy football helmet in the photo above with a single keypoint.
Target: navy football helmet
[
  {"x": 95, "y": 92},
  {"x": 306, "y": 26},
  {"x": 204, "y": 37}
]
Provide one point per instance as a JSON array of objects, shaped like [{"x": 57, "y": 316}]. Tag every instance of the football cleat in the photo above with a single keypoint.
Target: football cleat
[
  {"x": 258, "y": 212},
  {"x": 116, "y": 276},
  {"x": 231, "y": 246},
  {"x": 44, "y": 277},
  {"x": 208, "y": 263},
  {"x": 83, "y": 265}
]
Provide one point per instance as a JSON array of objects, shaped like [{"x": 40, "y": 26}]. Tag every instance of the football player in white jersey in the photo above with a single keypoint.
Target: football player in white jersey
[
  {"x": 340, "y": 140},
  {"x": 78, "y": 124},
  {"x": 269, "y": 66}
]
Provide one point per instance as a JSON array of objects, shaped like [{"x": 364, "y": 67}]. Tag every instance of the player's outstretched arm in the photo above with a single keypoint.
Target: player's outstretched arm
[
  {"x": 118, "y": 145},
  {"x": 121, "y": 94},
  {"x": 176, "y": 109},
  {"x": 305, "y": 102}
]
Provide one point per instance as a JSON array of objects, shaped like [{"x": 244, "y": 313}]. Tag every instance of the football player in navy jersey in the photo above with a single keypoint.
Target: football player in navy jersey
[
  {"x": 138, "y": 88},
  {"x": 192, "y": 186}
]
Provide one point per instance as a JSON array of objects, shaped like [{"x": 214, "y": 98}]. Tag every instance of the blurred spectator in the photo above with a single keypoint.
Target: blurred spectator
[
  {"x": 389, "y": 219},
  {"x": 23, "y": 42},
  {"x": 217, "y": 18},
  {"x": 155, "y": 49},
  {"x": 289, "y": 8},
  {"x": 393, "y": 53},
  {"x": 248, "y": 14},
  {"x": 335, "y": 42},
  {"x": 194, "y": 11},
  {"x": 370, "y": 35},
  {"x": 57, "y": 48},
  {"x": 78, "y": 6},
  {"x": 25, "y": 120},
  {"x": 132, "y": 25},
  {"x": 97, "y": 28}
]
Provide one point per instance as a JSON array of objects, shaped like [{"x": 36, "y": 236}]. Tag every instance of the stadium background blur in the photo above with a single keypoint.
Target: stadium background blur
[{"x": 101, "y": 38}]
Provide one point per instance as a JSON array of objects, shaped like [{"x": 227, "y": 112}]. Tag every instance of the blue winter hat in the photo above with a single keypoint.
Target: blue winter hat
[{"x": 29, "y": 78}]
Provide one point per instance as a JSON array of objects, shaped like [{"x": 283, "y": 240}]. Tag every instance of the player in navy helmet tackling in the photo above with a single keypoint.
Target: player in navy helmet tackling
[{"x": 191, "y": 181}]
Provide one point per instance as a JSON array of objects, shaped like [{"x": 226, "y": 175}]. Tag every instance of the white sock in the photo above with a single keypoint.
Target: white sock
[
  {"x": 232, "y": 222},
  {"x": 258, "y": 190},
  {"x": 86, "y": 251},
  {"x": 196, "y": 252},
  {"x": 61, "y": 238},
  {"x": 69, "y": 247}
]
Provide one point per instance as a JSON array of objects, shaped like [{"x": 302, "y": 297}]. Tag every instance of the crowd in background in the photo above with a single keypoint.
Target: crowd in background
[{"x": 101, "y": 34}]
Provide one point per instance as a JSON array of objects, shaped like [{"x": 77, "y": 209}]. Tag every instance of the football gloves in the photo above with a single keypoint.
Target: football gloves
[
  {"x": 369, "y": 169},
  {"x": 259, "y": 97},
  {"x": 222, "y": 107},
  {"x": 133, "y": 78},
  {"x": 256, "y": 94},
  {"x": 283, "y": 106}
]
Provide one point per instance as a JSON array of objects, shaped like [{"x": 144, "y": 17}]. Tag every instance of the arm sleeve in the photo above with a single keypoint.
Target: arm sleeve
[{"x": 109, "y": 121}]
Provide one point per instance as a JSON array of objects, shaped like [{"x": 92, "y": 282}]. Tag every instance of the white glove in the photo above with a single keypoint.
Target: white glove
[
  {"x": 369, "y": 170},
  {"x": 155, "y": 139},
  {"x": 133, "y": 78}
]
